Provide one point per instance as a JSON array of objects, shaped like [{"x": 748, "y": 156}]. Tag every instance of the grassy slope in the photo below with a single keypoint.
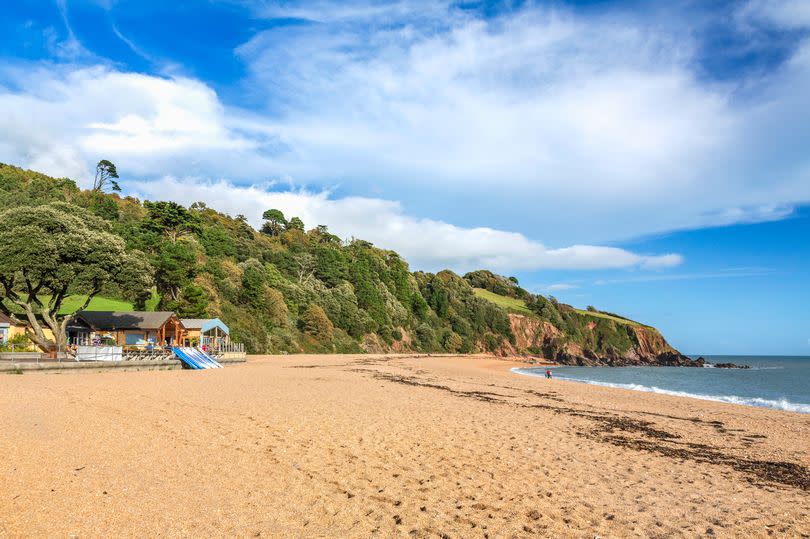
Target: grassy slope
[
  {"x": 512, "y": 305},
  {"x": 72, "y": 303},
  {"x": 609, "y": 317}
]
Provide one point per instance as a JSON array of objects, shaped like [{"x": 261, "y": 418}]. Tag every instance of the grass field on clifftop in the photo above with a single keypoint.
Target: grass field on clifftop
[
  {"x": 98, "y": 303},
  {"x": 513, "y": 305},
  {"x": 616, "y": 319}
]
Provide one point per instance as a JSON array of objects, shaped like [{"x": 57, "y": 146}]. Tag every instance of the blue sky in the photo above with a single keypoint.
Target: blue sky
[{"x": 646, "y": 158}]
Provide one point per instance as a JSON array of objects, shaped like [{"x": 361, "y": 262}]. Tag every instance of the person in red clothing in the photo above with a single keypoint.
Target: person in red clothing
[{"x": 548, "y": 373}]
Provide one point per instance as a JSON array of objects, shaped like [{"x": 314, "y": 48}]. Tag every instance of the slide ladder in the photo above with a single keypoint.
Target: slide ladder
[{"x": 196, "y": 359}]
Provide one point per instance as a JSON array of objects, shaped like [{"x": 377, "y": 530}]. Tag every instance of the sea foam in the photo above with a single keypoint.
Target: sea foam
[{"x": 781, "y": 404}]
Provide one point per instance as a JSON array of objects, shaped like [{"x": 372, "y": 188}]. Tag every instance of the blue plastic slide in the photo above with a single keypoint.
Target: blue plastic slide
[
  {"x": 204, "y": 358},
  {"x": 196, "y": 359}
]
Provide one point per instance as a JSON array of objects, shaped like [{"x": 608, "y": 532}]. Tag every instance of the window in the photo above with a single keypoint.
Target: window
[
  {"x": 135, "y": 338},
  {"x": 3, "y": 335}
]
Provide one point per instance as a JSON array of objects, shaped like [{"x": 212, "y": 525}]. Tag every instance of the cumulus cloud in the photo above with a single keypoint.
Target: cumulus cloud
[
  {"x": 559, "y": 287},
  {"x": 600, "y": 116},
  {"x": 428, "y": 244},
  {"x": 62, "y": 121},
  {"x": 573, "y": 130},
  {"x": 791, "y": 14}
]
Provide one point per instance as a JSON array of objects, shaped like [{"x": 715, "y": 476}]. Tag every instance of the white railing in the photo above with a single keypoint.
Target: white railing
[
  {"x": 231, "y": 347},
  {"x": 129, "y": 352}
]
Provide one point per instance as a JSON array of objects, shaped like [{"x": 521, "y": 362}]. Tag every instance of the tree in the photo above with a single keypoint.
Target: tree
[
  {"x": 175, "y": 266},
  {"x": 51, "y": 251},
  {"x": 275, "y": 222},
  {"x": 317, "y": 324},
  {"x": 254, "y": 278},
  {"x": 331, "y": 265},
  {"x": 217, "y": 242},
  {"x": 295, "y": 224},
  {"x": 304, "y": 266},
  {"x": 106, "y": 174},
  {"x": 273, "y": 309},
  {"x": 324, "y": 236},
  {"x": 452, "y": 342},
  {"x": 193, "y": 302},
  {"x": 170, "y": 219},
  {"x": 104, "y": 206}
]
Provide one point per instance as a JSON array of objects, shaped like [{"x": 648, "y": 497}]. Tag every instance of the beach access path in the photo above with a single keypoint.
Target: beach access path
[{"x": 386, "y": 446}]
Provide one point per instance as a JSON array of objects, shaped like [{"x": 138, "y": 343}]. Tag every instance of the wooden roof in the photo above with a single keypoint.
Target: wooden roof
[
  {"x": 114, "y": 320},
  {"x": 205, "y": 324}
]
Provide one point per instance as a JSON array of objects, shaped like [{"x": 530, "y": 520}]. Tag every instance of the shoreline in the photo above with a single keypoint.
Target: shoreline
[
  {"x": 782, "y": 405},
  {"x": 372, "y": 445}
]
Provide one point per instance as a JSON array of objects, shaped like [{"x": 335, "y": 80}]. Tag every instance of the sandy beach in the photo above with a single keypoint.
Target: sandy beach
[{"x": 384, "y": 446}]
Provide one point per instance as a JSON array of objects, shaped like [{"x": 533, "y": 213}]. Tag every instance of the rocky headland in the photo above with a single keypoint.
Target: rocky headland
[{"x": 647, "y": 346}]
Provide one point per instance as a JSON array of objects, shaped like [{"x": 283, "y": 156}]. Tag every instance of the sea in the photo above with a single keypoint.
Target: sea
[{"x": 779, "y": 382}]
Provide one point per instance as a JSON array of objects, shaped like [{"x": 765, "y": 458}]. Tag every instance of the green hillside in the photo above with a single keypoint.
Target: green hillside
[
  {"x": 283, "y": 288},
  {"x": 513, "y": 305},
  {"x": 594, "y": 333},
  {"x": 506, "y": 293},
  {"x": 98, "y": 303},
  {"x": 287, "y": 287},
  {"x": 608, "y": 316},
  {"x": 73, "y": 302}
]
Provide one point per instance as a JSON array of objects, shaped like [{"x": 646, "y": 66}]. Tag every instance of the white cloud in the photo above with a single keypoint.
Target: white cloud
[
  {"x": 69, "y": 48},
  {"x": 558, "y": 287},
  {"x": 783, "y": 13},
  {"x": 589, "y": 117},
  {"x": 425, "y": 243},
  {"x": 62, "y": 122},
  {"x": 729, "y": 273},
  {"x": 570, "y": 130}
]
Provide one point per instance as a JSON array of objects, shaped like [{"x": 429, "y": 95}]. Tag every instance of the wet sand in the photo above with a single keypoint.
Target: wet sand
[{"x": 382, "y": 446}]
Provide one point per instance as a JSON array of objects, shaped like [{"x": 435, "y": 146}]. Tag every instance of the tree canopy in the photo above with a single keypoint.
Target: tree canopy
[
  {"x": 106, "y": 174},
  {"x": 275, "y": 222},
  {"x": 50, "y": 251},
  {"x": 169, "y": 218},
  {"x": 286, "y": 289}
]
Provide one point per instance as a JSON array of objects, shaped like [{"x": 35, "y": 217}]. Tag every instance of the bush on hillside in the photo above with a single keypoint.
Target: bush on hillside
[{"x": 315, "y": 323}]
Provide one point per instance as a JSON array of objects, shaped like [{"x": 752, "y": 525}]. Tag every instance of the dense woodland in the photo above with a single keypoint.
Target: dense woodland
[{"x": 293, "y": 286}]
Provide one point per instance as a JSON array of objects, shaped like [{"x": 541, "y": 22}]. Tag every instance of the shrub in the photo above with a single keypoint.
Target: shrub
[
  {"x": 385, "y": 335},
  {"x": 425, "y": 337},
  {"x": 273, "y": 307},
  {"x": 316, "y": 324},
  {"x": 19, "y": 343},
  {"x": 491, "y": 342},
  {"x": 452, "y": 342},
  {"x": 216, "y": 242}
]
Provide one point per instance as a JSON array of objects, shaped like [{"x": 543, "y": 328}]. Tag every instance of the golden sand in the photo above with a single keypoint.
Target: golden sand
[{"x": 373, "y": 446}]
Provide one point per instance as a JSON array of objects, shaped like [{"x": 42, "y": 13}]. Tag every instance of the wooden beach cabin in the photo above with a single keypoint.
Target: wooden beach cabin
[
  {"x": 9, "y": 329},
  {"x": 135, "y": 328},
  {"x": 206, "y": 331}
]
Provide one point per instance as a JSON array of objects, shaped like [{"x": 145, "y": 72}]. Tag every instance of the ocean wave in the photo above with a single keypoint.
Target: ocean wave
[{"x": 781, "y": 404}]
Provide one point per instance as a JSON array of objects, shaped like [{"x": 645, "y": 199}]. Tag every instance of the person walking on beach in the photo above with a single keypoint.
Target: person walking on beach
[{"x": 548, "y": 374}]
